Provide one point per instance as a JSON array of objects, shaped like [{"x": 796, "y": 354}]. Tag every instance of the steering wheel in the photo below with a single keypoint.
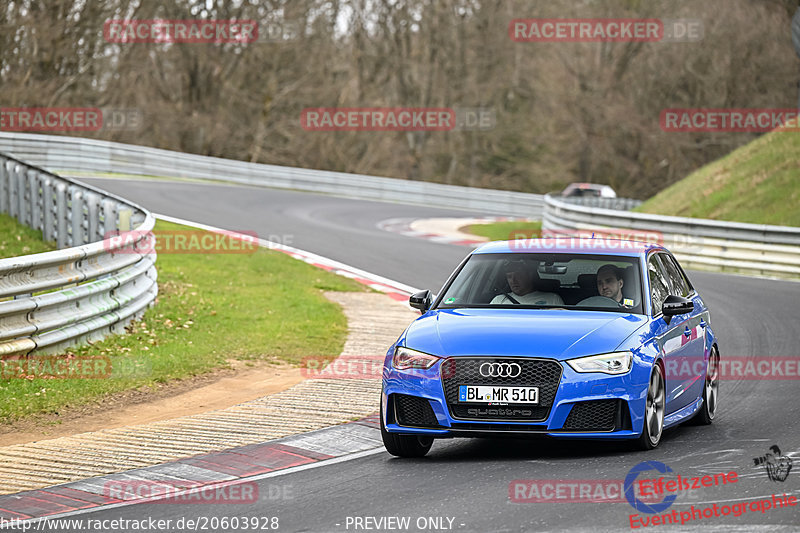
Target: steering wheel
[{"x": 600, "y": 301}]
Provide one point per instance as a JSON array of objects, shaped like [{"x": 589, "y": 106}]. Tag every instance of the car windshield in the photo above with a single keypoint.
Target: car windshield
[
  {"x": 582, "y": 191},
  {"x": 562, "y": 280}
]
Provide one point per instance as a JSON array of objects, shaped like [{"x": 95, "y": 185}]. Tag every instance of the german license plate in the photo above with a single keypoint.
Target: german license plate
[{"x": 489, "y": 394}]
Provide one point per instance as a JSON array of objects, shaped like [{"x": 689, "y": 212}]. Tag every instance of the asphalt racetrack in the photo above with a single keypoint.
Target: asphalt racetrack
[{"x": 469, "y": 485}]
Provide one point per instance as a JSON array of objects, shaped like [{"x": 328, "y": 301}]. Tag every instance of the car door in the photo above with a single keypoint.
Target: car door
[
  {"x": 692, "y": 363},
  {"x": 669, "y": 337}
]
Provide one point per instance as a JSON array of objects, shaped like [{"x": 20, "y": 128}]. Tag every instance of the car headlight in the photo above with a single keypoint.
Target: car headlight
[
  {"x": 607, "y": 363},
  {"x": 404, "y": 359}
]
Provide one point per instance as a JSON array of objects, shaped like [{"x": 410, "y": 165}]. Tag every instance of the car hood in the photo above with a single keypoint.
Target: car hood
[{"x": 557, "y": 333}]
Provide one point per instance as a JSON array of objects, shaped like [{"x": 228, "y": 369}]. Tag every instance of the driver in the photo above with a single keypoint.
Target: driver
[
  {"x": 521, "y": 278},
  {"x": 610, "y": 282}
]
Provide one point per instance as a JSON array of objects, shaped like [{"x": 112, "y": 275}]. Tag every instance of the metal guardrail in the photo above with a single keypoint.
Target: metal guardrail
[
  {"x": 88, "y": 288},
  {"x": 61, "y": 153},
  {"x": 755, "y": 249},
  {"x": 625, "y": 204},
  {"x": 723, "y": 246}
]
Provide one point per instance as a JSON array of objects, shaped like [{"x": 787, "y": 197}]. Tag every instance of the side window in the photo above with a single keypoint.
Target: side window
[
  {"x": 679, "y": 285},
  {"x": 659, "y": 284}
]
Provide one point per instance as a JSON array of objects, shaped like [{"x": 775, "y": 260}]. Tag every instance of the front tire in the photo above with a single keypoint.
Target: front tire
[
  {"x": 653, "y": 426},
  {"x": 404, "y": 445},
  {"x": 708, "y": 411}
]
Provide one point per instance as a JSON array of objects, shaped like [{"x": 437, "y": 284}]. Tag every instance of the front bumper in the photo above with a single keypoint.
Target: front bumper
[{"x": 580, "y": 405}]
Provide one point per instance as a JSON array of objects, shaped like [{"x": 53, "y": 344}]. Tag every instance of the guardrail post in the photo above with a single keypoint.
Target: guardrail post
[
  {"x": 13, "y": 192},
  {"x": 35, "y": 197},
  {"x": 93, "y": 231},
  {"x": 76, "y": 216},
  {"x": 48, "y": 225},
  {"x": 62, "y": 216},
  {"x": 109, "y": 208},
  {"x": 22, "y": 193},
  {"x": 137, "y": 219},
  {"x": 124, "y": 218},
  {"x": 3, "y": 185}
]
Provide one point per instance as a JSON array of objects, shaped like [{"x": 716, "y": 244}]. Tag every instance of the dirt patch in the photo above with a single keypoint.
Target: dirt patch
[
  {"x": 716, "y": 181},
  {"x": 215, "y": 390}
]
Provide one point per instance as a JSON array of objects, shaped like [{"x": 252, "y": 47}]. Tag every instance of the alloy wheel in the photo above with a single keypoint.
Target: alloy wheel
[
  {"x": 654, "y": 414},
  {"x": 712, "y": 383}
]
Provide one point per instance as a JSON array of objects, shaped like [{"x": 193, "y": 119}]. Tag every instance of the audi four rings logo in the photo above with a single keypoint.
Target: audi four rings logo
[{"x": 500, "y": 370}]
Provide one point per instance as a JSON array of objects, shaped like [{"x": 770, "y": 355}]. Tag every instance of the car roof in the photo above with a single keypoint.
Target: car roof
[
  {"x": 587, "y": 185},
  {"x": 570, "y": 244}
]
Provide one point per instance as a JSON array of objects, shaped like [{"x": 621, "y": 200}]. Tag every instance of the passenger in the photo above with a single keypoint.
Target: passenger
[{"x": 521, "y": 279}]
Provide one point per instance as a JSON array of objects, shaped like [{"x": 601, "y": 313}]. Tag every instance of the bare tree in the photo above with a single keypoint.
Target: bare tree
[{"x": 564, "y": 111}]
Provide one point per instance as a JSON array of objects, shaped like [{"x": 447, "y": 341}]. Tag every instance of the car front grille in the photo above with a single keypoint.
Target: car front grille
[
  {"x": 414, "y": 411},
  {"x": 596, "y": 415},
  {"x": 542, "y": 373}
]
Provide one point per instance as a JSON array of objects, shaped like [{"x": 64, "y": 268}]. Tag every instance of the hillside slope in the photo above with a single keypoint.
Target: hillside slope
[{"x": 757, "y": 183}]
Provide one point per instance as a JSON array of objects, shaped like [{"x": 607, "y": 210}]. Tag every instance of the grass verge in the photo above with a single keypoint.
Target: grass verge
[
  {"x": 757, "y": 183},
  {"x": 16, "y": 239},
  {"x": 504, "y": 231},
  {"x": 211, "y": 308}
]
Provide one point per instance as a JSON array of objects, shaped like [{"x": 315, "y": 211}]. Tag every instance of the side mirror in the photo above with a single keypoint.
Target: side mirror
[
  {"x": 676, "y": 305},
  {"x": 421, "y": 300}
]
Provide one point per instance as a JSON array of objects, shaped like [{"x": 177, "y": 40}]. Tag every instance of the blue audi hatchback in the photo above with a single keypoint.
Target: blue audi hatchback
[{"x": 571, "y": 338}]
